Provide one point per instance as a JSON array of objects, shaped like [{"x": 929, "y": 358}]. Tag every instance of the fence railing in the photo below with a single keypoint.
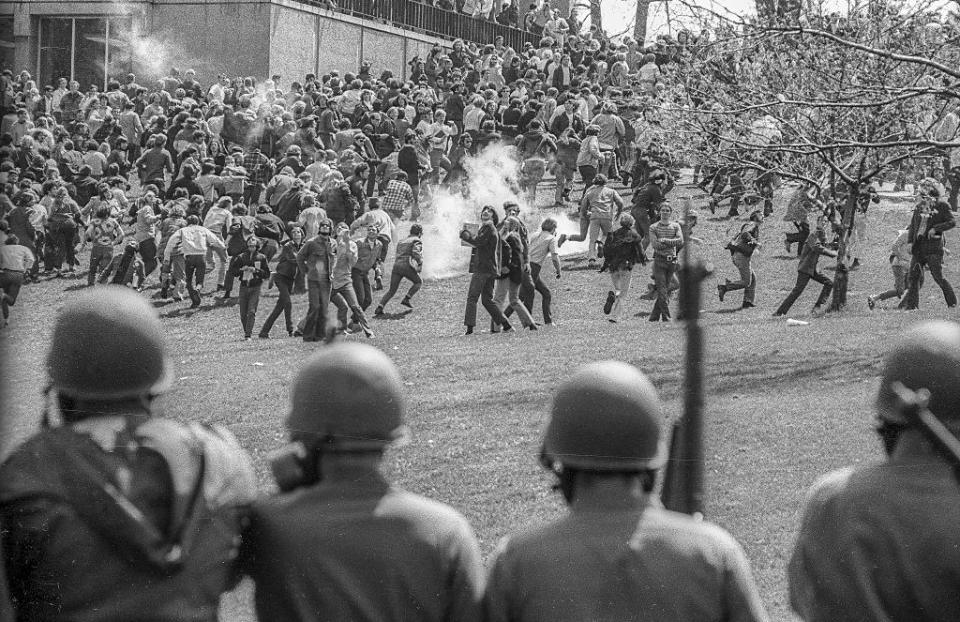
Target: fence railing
[{"x": 431, "y": 20}]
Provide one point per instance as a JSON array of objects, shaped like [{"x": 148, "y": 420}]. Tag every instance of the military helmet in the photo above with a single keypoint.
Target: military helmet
[
  {"x": 108, "y": 345},
  {"x": 350, "y": 396},
  {"x": 927, "y": 357},
  {"x": 606, "y": 417}
]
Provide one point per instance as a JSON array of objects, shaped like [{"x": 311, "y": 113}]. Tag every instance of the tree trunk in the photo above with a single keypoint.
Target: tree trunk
[
  {"x": 596, "y": 18},
  {"x": 640, "y": 21},
  {"x": 841, "y": 279},
  {"x": 766, "y": 9}
]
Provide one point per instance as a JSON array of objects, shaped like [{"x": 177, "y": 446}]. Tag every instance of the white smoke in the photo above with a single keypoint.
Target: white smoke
[
  {"x": 151, "y": 54},
  {"x": 492, "y": 180}
]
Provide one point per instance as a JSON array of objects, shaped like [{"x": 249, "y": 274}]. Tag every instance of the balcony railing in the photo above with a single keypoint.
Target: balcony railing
[{"x": 431, "y": 20}]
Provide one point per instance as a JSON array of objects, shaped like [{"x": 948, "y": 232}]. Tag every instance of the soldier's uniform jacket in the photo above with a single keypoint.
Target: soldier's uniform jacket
[
  {"x": 880, "y": 543},
  {"x": 118, "y": 518},
  {"x": 361, "y": 551},
  {"x": 615, "y": 565}
]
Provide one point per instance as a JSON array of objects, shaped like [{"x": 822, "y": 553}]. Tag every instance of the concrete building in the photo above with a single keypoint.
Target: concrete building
[{"x": 92, "y": 40}]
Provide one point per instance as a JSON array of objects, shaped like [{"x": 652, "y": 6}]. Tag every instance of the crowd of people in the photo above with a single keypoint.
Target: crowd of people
[
  {"x": 178, "y": 184},
  {"x": 319, "y": 189},
  {"x": 305, "y": 189},
  {"x": 112, "y": 512}
]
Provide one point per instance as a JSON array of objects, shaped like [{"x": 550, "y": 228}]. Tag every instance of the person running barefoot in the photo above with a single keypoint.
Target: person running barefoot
[{"x": 407, "y": 265}]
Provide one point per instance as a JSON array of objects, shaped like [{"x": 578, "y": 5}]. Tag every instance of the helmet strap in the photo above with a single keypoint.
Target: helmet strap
[
  {"x": 566, "y": 484},
  {"x": 45, "y": 422},
  {"x": 889, "y": 434}
]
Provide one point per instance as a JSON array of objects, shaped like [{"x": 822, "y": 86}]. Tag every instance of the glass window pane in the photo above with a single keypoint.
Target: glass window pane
[
  {"x": 55, "y": 45},
  {"x": 90, "y": 53},
  {"x": 121, "y": 58}
]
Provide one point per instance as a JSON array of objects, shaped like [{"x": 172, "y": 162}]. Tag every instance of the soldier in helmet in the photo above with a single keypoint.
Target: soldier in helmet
[
  {"x": 110, "y": 513},
  {"x": 618, "y": 554},
  {"x": 881, "y": 542},
  {"x": 341, "y": 542}
]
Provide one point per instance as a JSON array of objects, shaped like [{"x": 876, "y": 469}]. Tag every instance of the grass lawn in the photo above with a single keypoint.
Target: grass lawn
[{"x": 783, "y": 405}]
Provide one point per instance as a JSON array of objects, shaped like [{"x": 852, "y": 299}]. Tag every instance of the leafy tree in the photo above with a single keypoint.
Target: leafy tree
[{"x": 833, "y": 102}]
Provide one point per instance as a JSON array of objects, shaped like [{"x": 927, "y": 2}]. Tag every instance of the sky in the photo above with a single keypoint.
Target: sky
[{"x": 618, "y": 14}]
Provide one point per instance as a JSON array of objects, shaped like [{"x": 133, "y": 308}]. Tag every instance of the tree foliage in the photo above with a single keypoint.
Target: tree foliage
[{"x": 827, "y": 100}]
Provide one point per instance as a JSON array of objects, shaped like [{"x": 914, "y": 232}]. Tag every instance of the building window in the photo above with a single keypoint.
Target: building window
[{"x": 89, "y": 50}]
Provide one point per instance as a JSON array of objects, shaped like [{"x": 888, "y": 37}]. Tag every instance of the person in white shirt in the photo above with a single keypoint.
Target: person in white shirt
[
  {"x": 193, "y": 242},
  {"x": 542, "y": 245},
  {"x": 218, "y": 221},
  {"x": 15, "y": 260}
]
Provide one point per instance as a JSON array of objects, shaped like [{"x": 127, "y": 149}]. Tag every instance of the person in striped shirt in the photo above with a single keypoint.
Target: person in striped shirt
[{"x": 666, "y": 238}]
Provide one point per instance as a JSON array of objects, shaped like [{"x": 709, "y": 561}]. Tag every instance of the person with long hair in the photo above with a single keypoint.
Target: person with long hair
[
  {"x": 63, "y": 222},
  {"x": 485, "y": 260},
  {"x": 511, "y": 274}
]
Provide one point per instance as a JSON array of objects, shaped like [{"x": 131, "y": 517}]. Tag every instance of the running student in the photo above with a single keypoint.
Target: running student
[
  {"x": 900, "y": 257},
  {"x": 15, "y": 261},
  {"x": 622, "y": 250},
  {"x": 283, "y": 277},
  {"x": 407, "y": 265},
  {"x": 807, "y": 269},
  {"x": 542, "y": 245}
]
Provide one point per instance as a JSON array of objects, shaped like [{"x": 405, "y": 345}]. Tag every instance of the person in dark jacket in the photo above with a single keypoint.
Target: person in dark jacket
[
  {"x": 269, "y": 228},
  {"x": 621, "y": 251},
  {"x": 741, "y": 250},
  {"x": 931, "y": 218},
  {"x": 283, "y": 277},
  {"x": 250, "y": 268},
  {"x": 409, "y": 163},
  {"x": 109, "y": 512},
  {"x": 815, "y": 246},
  {"x": 485, "y": 268},
  {"x": 351, "y": 544},
  {"x": 339, "y": 203},
  {"x": 647, "y": 200},
  {"x": 514, "y": 269}
]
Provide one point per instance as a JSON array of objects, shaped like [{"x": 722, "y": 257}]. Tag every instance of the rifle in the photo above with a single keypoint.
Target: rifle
[
  {"x": 6, "y": 606},
  {"x": 683, "y": 479},
  {"x": 913, "y": 405}
]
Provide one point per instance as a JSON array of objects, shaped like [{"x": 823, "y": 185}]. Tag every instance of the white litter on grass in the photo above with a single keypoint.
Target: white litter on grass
[
  {"x": 259, "y": 364},
  {"x": 793, "y": 322}
]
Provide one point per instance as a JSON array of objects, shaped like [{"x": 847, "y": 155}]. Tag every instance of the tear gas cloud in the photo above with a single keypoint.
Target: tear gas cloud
[{"x": 492, "y": 180}]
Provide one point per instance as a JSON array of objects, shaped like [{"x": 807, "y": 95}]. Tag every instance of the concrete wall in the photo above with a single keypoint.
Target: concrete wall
[
  {"x": 247, "y": 38},
  {"x": 293, "y": 44},
  {"x": 212, "y": 38},
  {"x": 310, "y": 39}
]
